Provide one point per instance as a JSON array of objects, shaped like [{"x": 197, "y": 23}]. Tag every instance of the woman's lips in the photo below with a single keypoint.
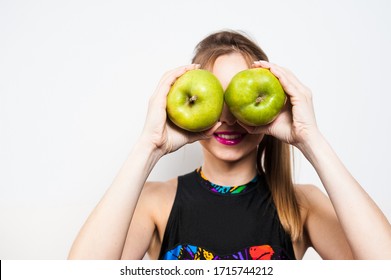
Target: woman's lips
[{"x": 228, "y": 137}]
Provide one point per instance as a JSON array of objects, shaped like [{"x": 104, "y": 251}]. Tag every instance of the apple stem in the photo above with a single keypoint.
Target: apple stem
[
  {"x": 259, "y": 99},
  {"x": 193, "y": 99}
]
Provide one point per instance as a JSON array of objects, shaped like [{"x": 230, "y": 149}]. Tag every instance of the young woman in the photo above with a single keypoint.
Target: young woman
[{"x": 241, "y": 203}]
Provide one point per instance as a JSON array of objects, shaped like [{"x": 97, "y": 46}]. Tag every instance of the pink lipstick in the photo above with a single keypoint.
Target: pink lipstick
[{"x": 229, "y": 138}]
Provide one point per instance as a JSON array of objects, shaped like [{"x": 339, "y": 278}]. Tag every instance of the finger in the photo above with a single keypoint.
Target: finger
[
  {"x": 292, "y": 86},
  {"x": 209, "y": 133},
  {"x": 177, "y": 72},
  {"x": 168, "y": 80},
  {"x": 254, "y": 129},
  {"x": 275, "y": 69},
  {"x": 262, "y": 63},
  {"x": 205, "y": 134},
  {"x": 170, "y": 77}
]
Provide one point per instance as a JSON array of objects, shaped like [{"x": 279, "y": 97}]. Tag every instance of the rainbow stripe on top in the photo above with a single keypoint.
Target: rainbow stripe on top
[{"x": 225, "y": 189}]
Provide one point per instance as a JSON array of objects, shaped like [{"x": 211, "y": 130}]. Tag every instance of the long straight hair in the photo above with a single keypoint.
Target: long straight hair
[{"x": 273, "y": 155}]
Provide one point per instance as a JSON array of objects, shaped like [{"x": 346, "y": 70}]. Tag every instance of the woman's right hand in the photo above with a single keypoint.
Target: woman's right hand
[{"x": 158, "y": 130}]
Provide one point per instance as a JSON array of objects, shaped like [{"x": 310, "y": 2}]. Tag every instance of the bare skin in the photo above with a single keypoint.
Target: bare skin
[{"x": 336, "y": 226}]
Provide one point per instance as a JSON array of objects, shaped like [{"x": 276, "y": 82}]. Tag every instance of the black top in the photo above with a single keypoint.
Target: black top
[{"x": 208, "y": 221}]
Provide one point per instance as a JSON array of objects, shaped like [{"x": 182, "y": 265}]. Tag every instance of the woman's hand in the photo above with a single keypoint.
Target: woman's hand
[
  {"x": 296, "y": 122},
  {"x": 158, "y": 130}
]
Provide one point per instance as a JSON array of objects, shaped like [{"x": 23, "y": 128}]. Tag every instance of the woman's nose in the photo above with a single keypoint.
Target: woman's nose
[{"x": 226, "y": 116}]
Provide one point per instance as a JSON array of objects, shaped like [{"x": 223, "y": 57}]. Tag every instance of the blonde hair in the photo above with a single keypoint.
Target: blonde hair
[{"x": 273, "y": 155}]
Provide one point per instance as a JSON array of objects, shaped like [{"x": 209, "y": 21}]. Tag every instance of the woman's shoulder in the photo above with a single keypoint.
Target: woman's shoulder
[
  {"x": 309, "y": 195},
  {"x": 159, "y": 196},
  {"x": 321, "y": 226},
  {"x": 159, "y": 190},
  {"x": 312, "y": 201}
]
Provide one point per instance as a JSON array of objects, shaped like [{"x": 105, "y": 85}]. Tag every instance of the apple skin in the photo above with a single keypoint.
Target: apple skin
[
  {"x": 255, "y": 96},
  {"x": 195, "y": 101}
]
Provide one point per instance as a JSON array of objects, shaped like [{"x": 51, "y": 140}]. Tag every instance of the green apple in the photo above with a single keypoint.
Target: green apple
[
  {"x": 195, "y": 101},
  {"x": 255, "y": 96}
]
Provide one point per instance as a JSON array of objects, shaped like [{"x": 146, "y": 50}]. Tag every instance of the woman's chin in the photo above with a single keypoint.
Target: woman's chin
[{"x": 227, "y": 155}]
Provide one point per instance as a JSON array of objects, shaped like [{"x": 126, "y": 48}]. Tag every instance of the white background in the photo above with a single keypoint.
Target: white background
[{"x": 76, "y": 76}]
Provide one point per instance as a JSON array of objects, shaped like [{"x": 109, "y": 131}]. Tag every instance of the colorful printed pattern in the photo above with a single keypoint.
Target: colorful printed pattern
[
  {"x": 225, "y": 189},
  {"x": 191, "y": 252}
]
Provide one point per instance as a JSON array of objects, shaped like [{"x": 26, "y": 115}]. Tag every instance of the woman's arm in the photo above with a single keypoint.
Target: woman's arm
[
  {"x": 367, "y": 230},
  {"x": 104, "y": 233}
]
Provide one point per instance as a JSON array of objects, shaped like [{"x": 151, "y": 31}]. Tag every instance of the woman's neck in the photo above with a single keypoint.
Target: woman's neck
[{"x": 229, "y": 173}]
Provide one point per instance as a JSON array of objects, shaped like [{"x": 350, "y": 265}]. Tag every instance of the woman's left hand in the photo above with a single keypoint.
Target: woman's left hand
[{"x": 296, "y": 122}]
